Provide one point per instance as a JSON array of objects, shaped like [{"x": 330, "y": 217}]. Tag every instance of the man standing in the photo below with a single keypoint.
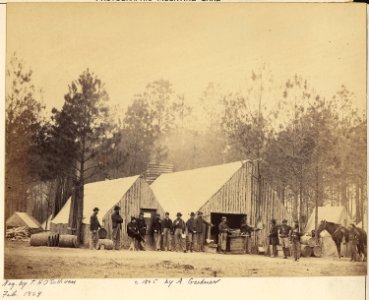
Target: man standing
[
  {"x": 133, "y": 233},
  {"x": 116, "y": 221},
  {"x": 141, "y": 224},
  {"x": 179, "y": 228},
  {"x": 353, "y": 239},
  {"x": 295, "y": 240},
  {"x": 273, "y": 238},
  {"x": 191, "y": 231},
  {"x": 284, "y": 231},
  {"x": 200, "y": 231},
  {"x": 223, "y": 233},
  {"x": 246, "y": 232},
  {"x": 157, "y": 229},
  {"x": 94, "y": 226},
  {"x": 167, "y": 227}
]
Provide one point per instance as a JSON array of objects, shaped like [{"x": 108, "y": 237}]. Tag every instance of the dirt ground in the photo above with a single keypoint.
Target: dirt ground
[{"x": 24, "y": 262}]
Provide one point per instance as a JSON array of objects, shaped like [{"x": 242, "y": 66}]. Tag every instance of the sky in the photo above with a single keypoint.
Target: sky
[{"x": 129, "y": 45}]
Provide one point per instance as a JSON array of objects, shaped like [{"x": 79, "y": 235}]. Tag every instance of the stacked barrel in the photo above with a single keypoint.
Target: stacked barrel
[{"x": 310, "y": 247}]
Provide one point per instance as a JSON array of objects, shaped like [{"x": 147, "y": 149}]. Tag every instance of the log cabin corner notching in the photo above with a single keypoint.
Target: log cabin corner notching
[
  {"x": 229, "y": 190},
  {"x": 132, "y": 194}
]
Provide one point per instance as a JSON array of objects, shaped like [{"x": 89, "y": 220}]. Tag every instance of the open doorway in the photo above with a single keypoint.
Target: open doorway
[{"x": 234, "y": 222}]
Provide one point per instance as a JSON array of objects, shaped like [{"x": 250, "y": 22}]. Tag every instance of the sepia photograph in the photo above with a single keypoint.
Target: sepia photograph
[{"x": 185, "y": 140}]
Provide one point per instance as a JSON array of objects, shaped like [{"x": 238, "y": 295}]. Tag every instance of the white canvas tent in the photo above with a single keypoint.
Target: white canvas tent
[
  {"x": 336, "y": 214},
  {"x": 22, "y": 219},
  {"x": 132, "y": 194},
  {"x": 187, "y": 191}
]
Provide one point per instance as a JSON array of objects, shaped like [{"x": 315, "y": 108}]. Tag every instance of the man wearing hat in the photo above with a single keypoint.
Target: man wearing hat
[
  {"x": 167, "y": 227},
  {"x": 94, "y": 226},
  {"x": 179, "y": 228},
  {"x": 284, "y": 232},
  {"x": 133, "y": 233},
  {"x": 295, "y": 240},
  {"x": 223, "y": 233},
  {"x": 157, "y": 229},
  {"x": 200, "y": 231},
  {"x": 142, "y": 227},
  {"x": 273, "y": 238},
  {"x": 116, "y": 221},
  {"x": 190, "y": 231}
]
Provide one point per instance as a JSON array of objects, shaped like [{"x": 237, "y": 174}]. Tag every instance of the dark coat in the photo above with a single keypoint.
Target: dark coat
[
  {"x": 116, "y": 220},
  {"x": 156, "y": 226},
  {"x": 285, "y": 230},
  {"x": 167, "y": 223},
  {"x": 179, "y": 224},
  {"x": 141, "y": 224},
  {"x": 191, "y": 225},
  {"x": 94, "y": 223},
  {"x": 132, "y": 230},
  {"x": 200, "y": 224}
]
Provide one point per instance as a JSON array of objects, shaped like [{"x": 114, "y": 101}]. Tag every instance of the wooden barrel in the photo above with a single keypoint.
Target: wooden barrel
[
  {"x": 317, "y": 251},
  {"x": 40, "y": 239},
  {"x": 68, "y": 241},
  {"x": 105, "y": 244},
  {"x": 308, "y": 240},
  {"x": 306, "y": 251},
  {"x": 102, "y": 233}
]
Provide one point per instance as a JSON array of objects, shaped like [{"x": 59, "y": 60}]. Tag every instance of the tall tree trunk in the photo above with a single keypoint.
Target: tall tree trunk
[{"x": 316, "y": 200}]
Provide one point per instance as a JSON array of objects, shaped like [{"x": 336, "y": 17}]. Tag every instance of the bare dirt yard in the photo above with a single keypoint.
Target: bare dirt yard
[{"x": 25, "y": 262}]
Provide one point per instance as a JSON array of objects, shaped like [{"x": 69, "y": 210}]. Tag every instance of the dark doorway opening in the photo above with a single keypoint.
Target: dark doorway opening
[{"x": 234, "y": 222}]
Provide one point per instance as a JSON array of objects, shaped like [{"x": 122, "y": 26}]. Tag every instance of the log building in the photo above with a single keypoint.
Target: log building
[{"x": 132, "y": 194}]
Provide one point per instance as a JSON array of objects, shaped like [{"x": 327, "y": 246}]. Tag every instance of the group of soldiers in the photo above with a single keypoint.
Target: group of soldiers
[
  {"x": 290, "y": 238},
  {"x": 188, "y": 236}
]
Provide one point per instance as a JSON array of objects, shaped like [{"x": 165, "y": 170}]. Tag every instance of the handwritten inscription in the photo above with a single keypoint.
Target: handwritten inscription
[
  {"x": 180, "y": 281},
  {"x": 30, "y": 288}
]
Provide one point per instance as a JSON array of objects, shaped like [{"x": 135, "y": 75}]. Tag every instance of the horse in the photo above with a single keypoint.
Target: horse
[{"x": 337, "y": 232}]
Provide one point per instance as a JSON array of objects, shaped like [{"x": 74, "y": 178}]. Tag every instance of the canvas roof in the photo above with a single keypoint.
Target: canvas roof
[
  {"x": 187, "y": 191},
  {"x": 101, "y": 194},
  {"x": 336, "y": 214},
  {"x": 22, "y": 219}
]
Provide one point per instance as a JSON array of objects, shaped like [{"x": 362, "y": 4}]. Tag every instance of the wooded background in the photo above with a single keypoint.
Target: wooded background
[{"x": 305, "y": 144}]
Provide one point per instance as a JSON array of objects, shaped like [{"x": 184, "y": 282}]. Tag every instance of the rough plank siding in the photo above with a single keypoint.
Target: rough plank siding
[
  {"x": 240, "y": 196},
  {"x": 138, "y": 196}
]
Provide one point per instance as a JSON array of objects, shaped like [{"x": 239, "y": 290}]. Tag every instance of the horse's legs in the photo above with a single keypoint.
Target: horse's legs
[{"x": 338, "y": 245}]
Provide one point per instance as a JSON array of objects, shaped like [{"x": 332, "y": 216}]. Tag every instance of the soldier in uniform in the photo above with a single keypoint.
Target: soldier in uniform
[
  {"x": 284, "y": 232},
  {"x": 142, "y": 227},
  {"x": 246, "y": 231},
  {"x": 223, "y": 233},
  {"x": 133, "y": 233},
  {"x": 157, "y": 229},
  {"x": 200, "y": 228},
  {"x": 179, "y": 228},
  {"x": 167, "y": 226},
  {"x": 273, "y": 238},
  {"x": 94, "y": 226},
  {"x": 116, "y": 221},
  {"x": 191, "y": 231},
  {"x": 353, "y": 238},
  {"x": 295, "y": 236}
]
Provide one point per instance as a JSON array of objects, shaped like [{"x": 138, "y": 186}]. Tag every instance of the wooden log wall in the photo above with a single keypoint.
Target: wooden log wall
[
  {"x": 138, "y": 196},
  {"x": 240, "y": 195}
]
